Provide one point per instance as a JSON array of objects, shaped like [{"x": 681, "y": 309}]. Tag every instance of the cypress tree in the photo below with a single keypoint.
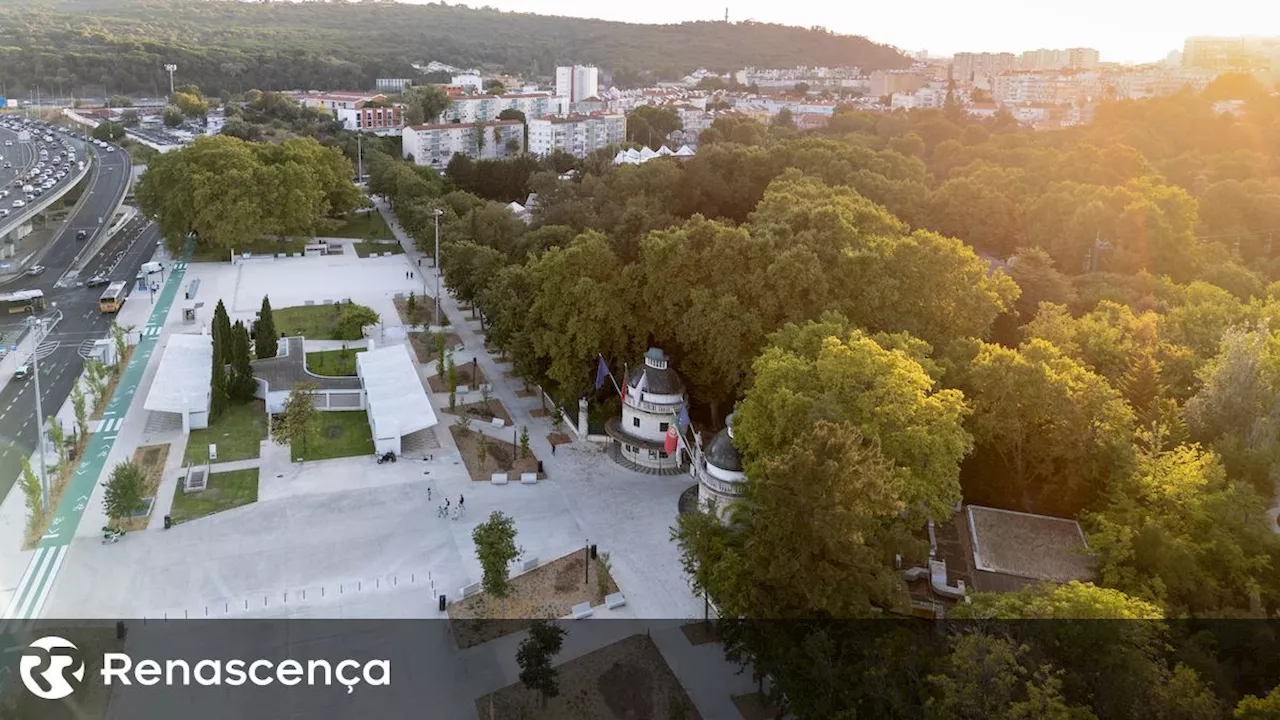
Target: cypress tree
[
  {"x": 218, "y": 386},
  {"x": 242, "y": 383},
  {"x": 222, "y": 334},
  {"x": 265, "y": 338}
]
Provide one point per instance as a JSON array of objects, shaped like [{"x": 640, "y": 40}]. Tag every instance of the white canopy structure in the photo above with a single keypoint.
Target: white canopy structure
[
  {"x": 665, "y": 151},
  {"x": 396, "y": 402},
  {"x": 183, "y": 380},
  {"x": 647, "y": 154},
  {"x": 685, "y": 151},
  {"x": 631, "y": 156}
]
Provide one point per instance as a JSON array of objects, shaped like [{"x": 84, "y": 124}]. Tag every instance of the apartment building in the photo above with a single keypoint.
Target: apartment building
[
  {"x": 965, "y": 66},
  {"x": 393, "y": 85},
  {"x": 337, "y": 100},
  {"x": 888, "y": 82},
  {"x": 484, "y": 108},
  {"x": 1230, "y": 53},
  {"x": 435, "y": 145},
  {"x": 1045, "y": 59},
  {"x": 578, "y": 135},
  {"x": 1035, "y": 88},
  {"x": 578, "y": 82},
  {"x": 380, "y": 118}
]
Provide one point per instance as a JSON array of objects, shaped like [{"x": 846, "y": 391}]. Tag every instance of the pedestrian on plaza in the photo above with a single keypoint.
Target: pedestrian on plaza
[
  {"x": 428, "y": 494},
  {"x": 553, "y": 448},
  {"x": 461, "y": 501}
]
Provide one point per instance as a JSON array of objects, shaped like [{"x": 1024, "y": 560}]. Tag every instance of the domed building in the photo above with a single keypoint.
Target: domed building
[
  {"x": 719, "y": 472},
  {"x": 653, "y": 397}
]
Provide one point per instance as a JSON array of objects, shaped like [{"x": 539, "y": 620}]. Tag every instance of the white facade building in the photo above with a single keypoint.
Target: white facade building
[
  {"x": 435, "y": 145},
  {"x": 720, "y": 474},
  {"x": 484, "y": 108},
  {"x": 578, "y": 82},
  {"x": 577, "y": 135},
  {"x": 468, "y": 80},
  {"x": 183, "y": 383},
  {"x": 654, "y": 396}
]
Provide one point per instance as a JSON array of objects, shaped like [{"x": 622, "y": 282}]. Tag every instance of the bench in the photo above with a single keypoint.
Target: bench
[
  {"x": 615, "y": 601},
  {"x": 528, "y": 478},
  {"x": 498, "y": 478},
  {"x": 581, "y": 611},
  {"x": 499, "y": 422},
  {"x": 469, "y": 590}
]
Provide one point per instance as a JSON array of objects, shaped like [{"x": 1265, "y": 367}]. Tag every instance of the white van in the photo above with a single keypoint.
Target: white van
[{"x": 151, "y": 268}]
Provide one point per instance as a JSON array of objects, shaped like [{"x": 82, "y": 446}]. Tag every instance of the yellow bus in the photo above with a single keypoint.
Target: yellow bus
[
  {"x": 113, "y": 298},
  {"x": 22, "y": 301}
]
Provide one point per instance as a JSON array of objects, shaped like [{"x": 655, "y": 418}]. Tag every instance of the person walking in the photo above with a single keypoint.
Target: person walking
[
  {"x": 553, "y": 448},
  {"x": 428, "y": 494},
  {"x": 462, "y": 502}
]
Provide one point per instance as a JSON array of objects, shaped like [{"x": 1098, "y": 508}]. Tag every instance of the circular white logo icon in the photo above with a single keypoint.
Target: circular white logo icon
[{"x": 48, "y": 665}]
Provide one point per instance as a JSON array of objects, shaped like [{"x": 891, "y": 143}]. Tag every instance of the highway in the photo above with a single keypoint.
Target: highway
[
  {"x": 60, "y": 360},
  {"x": 27, "y": 154}
]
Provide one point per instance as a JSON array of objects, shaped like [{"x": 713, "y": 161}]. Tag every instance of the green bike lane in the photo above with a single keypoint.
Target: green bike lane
[{"x": 41, "y": 573}]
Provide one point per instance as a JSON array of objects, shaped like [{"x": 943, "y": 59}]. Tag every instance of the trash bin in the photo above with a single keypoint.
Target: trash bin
[
  {"x": 168, "y": 522},
  {"x": 442, "y": 603},
  {"x": 539, "y": 466},
  {"x": 593, "y": 552}
]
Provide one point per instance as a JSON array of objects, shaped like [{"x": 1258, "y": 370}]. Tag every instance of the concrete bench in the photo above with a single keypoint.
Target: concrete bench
[
  {"x": 469, "y": 590},
  {"x": 498, "y": 478},
  {"x": 528, "y": 478},
  {"x": 581, "y": 611},
  {"x": 499, "y": 422},
  {"x": 615, "y": 601}
]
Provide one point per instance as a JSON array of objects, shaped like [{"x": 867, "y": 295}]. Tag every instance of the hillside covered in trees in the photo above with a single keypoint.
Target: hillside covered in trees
[{"x": 100, "y": 47}]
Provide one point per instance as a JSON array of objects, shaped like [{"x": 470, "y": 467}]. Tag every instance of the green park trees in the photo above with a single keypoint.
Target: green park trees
[
  {"x": 266, "y": 340},
  {"x": 226, "y": 190},
  {"x": 293, "y": 426},
  {"x": 425, "y": 104},
  {"x": 496, "y": 548},
  {"x": 124, "y": 491}
]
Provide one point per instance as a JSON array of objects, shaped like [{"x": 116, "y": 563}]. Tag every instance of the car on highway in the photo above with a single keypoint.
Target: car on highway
[
  {"x": 4, "y": 212},
  {"x": 8, "y": 143},
  {"x": 82, "y": 234},
  {"x": 4, "y": 194},
  {"x": 35, "y": 270},
  {"x": 8, "y": 165},
  {"x": 97, "y": 281},
  {"x": 19, "y": 203},
  {"x": 23, "y": 372}
]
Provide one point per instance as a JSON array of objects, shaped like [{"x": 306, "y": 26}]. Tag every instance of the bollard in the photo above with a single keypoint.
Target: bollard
[
  {"x": 206, "y": 611},
  {"x": 304, "y": 594},
  {"x": 286, "y": 597},
  {"x": 377, "y": 583}
]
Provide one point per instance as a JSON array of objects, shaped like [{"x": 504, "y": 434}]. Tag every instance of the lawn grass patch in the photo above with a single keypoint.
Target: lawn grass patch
[
  {"x": 336, "y": 434},
  {"x": 333, "y": 363},
  {"x": 368, "y": 225},
  {"x": 365, "y": 249},
  {"x": 317, "y": 322},
  {"x": 238, "y": 433},
  {"x": 223, "y": 491}
]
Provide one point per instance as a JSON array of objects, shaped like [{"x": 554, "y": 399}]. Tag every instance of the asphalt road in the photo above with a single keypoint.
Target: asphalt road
[
  {"x": 60, "y": 360},
  {"x": 22, "y": 155}
]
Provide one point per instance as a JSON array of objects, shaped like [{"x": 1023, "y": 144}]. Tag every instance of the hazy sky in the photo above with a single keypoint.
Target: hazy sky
[{"x": 1122, "y": 30}]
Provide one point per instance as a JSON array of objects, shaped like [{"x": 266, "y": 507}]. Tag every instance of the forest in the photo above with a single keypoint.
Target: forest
[
  {"x": 97, "y": 48},
  {"x": 908, "y": 310}
]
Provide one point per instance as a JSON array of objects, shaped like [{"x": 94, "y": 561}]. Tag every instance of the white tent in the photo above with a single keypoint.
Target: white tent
[
  {"x": 633, "y": 154},
  {"x": 620, "y": 158},
  {"x": 684, "y": 151},
  {"x": 397, "y": 403},
  {"x": 647, "y": 155},
  {"x": 183, "y": 380},
  {"x": 665, "y": 151}
]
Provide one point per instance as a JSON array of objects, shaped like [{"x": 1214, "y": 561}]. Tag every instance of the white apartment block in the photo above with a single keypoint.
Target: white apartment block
[
  {"x": 1073, "y": 58},
  {"x": 576, "y": 135},
  {"x": 1035, "y": 88},
  {"x": 468, "y": 80},
  {"x": 435, "y": 145},
  {"x": 485, "y": 108},
  {"x": 578, "y": 82},
  {"x": 965, "y": 66}
]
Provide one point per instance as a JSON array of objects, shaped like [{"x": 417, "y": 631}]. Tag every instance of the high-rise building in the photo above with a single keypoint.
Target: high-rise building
[
  {"x": 578, "y": 135},
  {"x": 578, "y": 82},
  {"x": 436, "y": 144},
  {"x": 1234, "y": 53}
]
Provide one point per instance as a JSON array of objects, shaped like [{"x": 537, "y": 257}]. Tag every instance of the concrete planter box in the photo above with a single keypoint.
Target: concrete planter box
[
  {"x": 498, "y": 479},
  {"x": 528, "y": 478}
]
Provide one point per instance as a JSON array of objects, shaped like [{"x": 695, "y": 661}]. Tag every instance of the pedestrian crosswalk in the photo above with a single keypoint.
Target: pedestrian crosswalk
[
  {"x": 110, "y": 425},
  {"x": 180, "y": 265},
  {"x": 151, "y": 331}
]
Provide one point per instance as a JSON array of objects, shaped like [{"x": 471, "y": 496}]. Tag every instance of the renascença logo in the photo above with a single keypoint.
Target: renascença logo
[{"x": 48, "y": 666}]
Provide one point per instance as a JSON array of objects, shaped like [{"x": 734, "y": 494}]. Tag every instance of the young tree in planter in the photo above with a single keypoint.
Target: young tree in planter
[
  {"x": 96, "y": 377},
  {"x": 534, "y": 658},
  {"x": 266, "y": 341},
  {"x": 124, "y": 491},
  {"x": 31, "y": 491},
  {"x": 451, "y": 373},
  {"x": 81, "y": 412},
  {"x": 557, "y": 419},
  {"x": 482, "y": 448},
  {"x": 58, "y": 437},
  {"x": 242, "y": 385},
  {"x": 291, "y": 427},
  {"x": 410, "y": 306},
  {"x": 524, "y": 442},
  {"x": 440, "y": 348},
  {"x": 120, "y": 334},
  {"x": 222, "y": 334},
  {"x": 495, "y": 541}
]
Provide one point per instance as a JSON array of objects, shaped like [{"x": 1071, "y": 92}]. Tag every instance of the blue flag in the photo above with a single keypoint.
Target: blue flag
[
  {"x": 602, "y": 372},
  {"x": 684, "y": 416}
]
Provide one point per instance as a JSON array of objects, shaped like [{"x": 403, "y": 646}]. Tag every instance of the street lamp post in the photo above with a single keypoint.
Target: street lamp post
[
  {"x": 437, "y": 213},
  {"x": 171, "y": 69},
  {"x": 36, "y": 327}
]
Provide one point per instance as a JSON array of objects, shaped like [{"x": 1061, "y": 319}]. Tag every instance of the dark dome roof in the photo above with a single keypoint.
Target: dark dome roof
[
  {"x": 721, "y": 452},
  {"x": 660, "y": 380}
]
